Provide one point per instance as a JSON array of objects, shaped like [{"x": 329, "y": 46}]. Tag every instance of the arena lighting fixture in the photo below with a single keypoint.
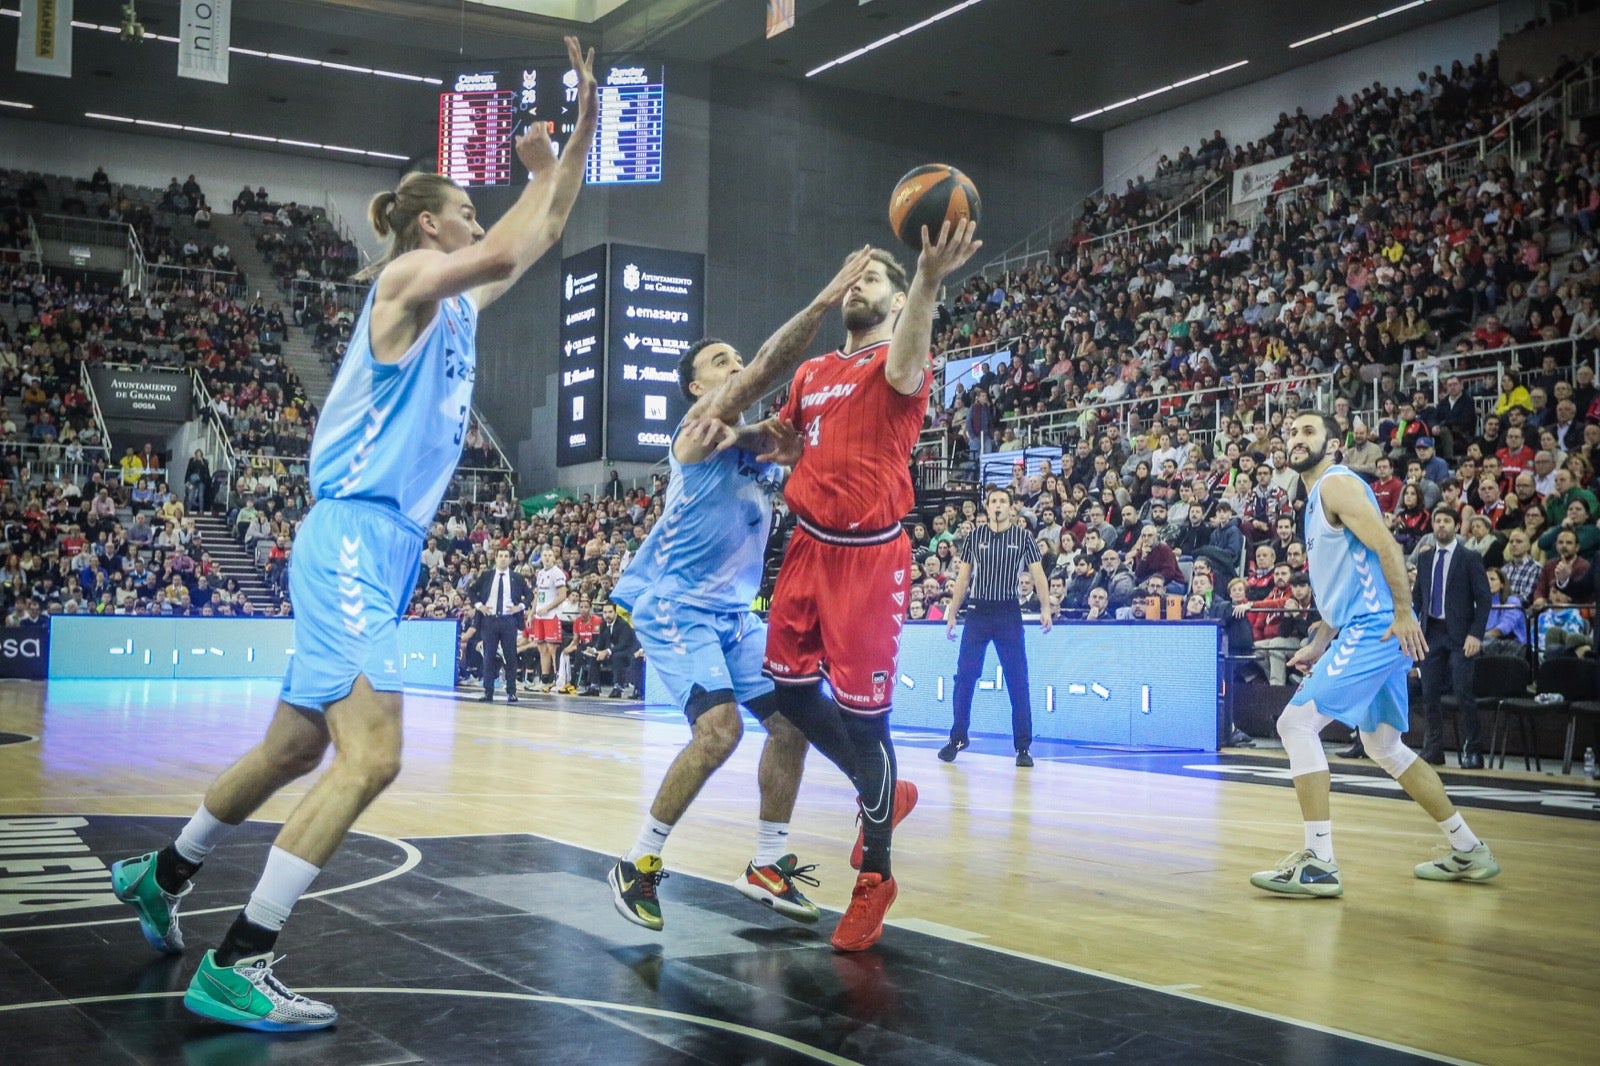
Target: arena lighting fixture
[
  {"x": 1358, "y": 23},
  {"x": 881, "y": 41},
  {"x": 1163, "y": 89},
  {"x": 16, "y": 103},
  {"x": 287, "y": 142},
  {"x": 279, "y": 57}
]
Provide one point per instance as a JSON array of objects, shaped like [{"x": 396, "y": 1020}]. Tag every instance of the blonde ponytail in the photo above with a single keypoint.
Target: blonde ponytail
[{"x": 394, "y": 215}]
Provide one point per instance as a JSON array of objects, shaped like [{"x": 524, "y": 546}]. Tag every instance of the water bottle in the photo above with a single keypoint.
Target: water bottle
[{"x": 1588, "y": 763}]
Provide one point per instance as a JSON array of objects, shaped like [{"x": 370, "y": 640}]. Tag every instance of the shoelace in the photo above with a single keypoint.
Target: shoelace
[
  {"x": 801, "y": 874},
  {"x": 648, "y": 883},
  {"x": 262, "y": 973}
]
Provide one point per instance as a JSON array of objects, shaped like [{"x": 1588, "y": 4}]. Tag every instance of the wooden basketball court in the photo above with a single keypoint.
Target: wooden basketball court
[{"x": 1096, "y": 905}]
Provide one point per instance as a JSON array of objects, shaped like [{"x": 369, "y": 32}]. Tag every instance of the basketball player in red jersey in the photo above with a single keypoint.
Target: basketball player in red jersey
[{"x": 841, "y": 594}]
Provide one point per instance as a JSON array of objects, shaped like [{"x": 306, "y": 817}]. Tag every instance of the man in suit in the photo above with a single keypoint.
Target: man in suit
[
  {"x": 615, "y": 651},
  {"x": 1451, "y": 596},
  {"x": 500, "y": 596}
]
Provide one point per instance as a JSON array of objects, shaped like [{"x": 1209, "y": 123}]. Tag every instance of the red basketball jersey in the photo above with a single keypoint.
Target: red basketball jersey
[{"x": 858, "y": 432}]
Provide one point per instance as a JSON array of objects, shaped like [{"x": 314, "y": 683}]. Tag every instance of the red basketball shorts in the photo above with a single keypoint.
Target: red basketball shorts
[
  {"x": 837, "y": 613},
  {"x": 547, "y": 630}
]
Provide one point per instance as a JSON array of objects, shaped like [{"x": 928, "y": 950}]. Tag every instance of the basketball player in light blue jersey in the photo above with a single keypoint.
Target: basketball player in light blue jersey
[
  {"x": 1358, "y": 576},
  {"x": 383, "y": 454},
  {"x": 689, "y": 592}
]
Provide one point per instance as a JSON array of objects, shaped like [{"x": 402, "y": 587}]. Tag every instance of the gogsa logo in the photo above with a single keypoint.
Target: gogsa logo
[
  {"x": 27, "y": 648},
  {"x": 630, "y": 278}
]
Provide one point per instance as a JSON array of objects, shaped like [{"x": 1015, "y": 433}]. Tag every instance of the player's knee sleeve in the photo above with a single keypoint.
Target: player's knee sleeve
[
  {"x": 1388, "y": 750},
  {"x": 1300, "y": 728}
]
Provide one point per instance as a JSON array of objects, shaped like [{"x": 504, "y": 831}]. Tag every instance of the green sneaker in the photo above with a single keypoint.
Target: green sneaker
[
  {"x": 1475, "y": 865},
  {"x": 247, "y": 995},
  {"x": 134, "y": 882},
  {"x": 1301, "y": 874},
  {"x": 633, "y": 890},
  {"x": 773, "y": 886}
]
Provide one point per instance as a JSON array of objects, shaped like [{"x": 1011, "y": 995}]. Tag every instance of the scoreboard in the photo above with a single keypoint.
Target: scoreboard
[{"x": 484, "y": 111}]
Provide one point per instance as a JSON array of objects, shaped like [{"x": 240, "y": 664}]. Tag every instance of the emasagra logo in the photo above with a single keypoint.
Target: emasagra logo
[{"x": 630, "y": 277}]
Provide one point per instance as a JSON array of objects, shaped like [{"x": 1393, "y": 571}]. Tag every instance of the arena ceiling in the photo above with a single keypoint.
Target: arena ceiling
[{"x": 1044, "y": 60}]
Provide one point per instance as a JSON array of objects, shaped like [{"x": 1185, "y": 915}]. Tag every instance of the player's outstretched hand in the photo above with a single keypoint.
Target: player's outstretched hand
[
  {"x": 956, "y": 244},
  {"x": 588, "y": 98},
  {"x": 853, "y": 270},
  {"x": 1409, "y": 630},
  {"x": 786, "y": 445},
  {"x": 712, "y": 434},
  {"x": 535, "y": 151}
]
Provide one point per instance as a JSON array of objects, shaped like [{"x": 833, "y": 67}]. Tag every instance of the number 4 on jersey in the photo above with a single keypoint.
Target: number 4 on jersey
[{"x": 814, "y": 432}]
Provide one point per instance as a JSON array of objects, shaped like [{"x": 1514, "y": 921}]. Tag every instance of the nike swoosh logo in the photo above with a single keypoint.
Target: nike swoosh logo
[
  {"x": 771, "y": 885},
  {"x": 625, "y": 886},
  {"x": 225, "y": 992}
]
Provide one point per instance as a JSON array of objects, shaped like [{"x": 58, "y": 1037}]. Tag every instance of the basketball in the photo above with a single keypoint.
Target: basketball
[{"x": 930, "y": 196}]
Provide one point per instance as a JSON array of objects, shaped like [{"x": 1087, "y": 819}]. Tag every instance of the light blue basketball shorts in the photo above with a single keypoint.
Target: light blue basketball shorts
[
  {"x": 1361, "y": 679},
  {"x": 688, "y": 645},
  {"x": 351, "y": 576}
]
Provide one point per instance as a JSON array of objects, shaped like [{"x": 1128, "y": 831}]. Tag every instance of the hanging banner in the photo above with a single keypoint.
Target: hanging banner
[
  {"x": 780, "y": 16},
  {"x": 1255, "y": 182},
  {"x": 44, "y": 38},
  {"x": 203, "y": 31}
]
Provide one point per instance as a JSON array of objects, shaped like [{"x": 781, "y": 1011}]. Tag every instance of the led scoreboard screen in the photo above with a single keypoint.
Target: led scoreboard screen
[{"x": 484, "y": 111}]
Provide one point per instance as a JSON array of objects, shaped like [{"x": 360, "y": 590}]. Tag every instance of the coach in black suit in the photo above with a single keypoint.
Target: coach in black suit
[
  {"x": 501, "y": 597},
  {"x": 1451, "y": 596}
]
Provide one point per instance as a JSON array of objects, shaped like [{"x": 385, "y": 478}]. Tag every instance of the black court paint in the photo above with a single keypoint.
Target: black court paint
[
  {"x": 15, "y": 738},
  {"x": 506, "y": 949}
]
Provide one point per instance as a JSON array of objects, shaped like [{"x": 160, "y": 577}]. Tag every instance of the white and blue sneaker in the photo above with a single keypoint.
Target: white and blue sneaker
[{"x": 1301, "y": 874}]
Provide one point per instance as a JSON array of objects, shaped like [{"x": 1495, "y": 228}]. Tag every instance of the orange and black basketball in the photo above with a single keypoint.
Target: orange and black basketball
[{"x": 930, "y": 196}]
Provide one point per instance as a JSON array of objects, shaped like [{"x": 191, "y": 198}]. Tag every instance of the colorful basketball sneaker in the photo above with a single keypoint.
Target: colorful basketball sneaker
[
  {"x": 773, "y": 886},
  {"x": 633, "y": 890},
  {"x": 247, "y": 995},
  {"x": 134, "y": 882},
  {"x": 905, "y": 798},
  {"x": 861, "y": 926},
  {"x": 1301, "y": 874},
  {"x": 1475, "y": 865}
]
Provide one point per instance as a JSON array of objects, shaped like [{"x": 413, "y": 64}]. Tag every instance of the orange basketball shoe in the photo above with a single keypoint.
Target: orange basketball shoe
[
  {"x": 862, "y": 923},
  {"x": 905, "y": 798}
]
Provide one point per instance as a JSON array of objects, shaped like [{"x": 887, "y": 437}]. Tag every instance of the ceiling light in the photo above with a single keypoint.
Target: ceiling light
[
  {"x": 261, "y": 137},
  {"x": 279, "y": 57},
  {"x": 1163, "y": 89},
  {"x": 881, "y": 41},
  {"x": 16, "y": 103},
  {"x": 1358, "y": 23}
]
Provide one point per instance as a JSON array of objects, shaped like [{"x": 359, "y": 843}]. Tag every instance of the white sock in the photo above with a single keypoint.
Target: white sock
[
  {"x": 772, "y": 842},
  {"x": 200, "y": 836},
  {"x": 282, "y": 883},
  {"x": 1319, "y": 840},
  {"x": 1461, "y": 838},
  {"x": 652, "y": 838}
]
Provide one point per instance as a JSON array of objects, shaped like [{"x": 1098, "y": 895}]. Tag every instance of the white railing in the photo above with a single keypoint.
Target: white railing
[
  {"x": 200, "y": 277},
  {"x": 220, "y": 445},
  {"x": 87, "y": 382},
  {"x": 1051, "y": 426},
  {"x": 346, "y": 295},
  {"x": 1186, "y": 222},
  {"x": 49, "y": 462}
]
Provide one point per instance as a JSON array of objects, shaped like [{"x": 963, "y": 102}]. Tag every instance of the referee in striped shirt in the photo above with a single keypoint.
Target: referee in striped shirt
[{"x": 991, "y": 561}]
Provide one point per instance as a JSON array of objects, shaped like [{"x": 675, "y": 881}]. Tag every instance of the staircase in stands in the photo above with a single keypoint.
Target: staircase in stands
[
  {"x": 298, "y": 353},
  {"x": 233, "y": 561}
]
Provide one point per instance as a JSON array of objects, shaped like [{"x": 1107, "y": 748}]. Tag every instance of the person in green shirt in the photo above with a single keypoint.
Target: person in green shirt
[
  {"x": 1567, "y": 490},
  {"x": 1577, "y": 521}
]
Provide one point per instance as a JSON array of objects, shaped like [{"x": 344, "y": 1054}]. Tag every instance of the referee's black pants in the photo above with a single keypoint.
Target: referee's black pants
[
  {"x": 1001, "y": 624},
  {"x": 500, "y": 635}
]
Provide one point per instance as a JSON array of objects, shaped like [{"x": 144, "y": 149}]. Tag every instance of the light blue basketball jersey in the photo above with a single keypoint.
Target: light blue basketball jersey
[
  {"x": 391, "y": 433},
  {"x": 708, "y": 548},
  {"x": 1346, "y": 578}
]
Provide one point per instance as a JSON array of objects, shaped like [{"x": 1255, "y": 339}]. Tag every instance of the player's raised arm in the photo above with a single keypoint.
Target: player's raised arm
[
  {"x": 782, "y": 352},
  {"x": 1345, "y": 502},
  {"x": 491, "y": 265},
  {"x": 913, "y": 334}
]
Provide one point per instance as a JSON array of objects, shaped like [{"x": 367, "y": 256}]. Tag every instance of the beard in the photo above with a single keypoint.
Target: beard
[
  {"x": 860, "y": 317},
  {"x": 1312, "y": 458}
]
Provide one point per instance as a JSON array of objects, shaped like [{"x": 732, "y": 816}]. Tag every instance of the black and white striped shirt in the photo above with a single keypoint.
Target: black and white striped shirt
[{"x": 997, "y": 559}]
